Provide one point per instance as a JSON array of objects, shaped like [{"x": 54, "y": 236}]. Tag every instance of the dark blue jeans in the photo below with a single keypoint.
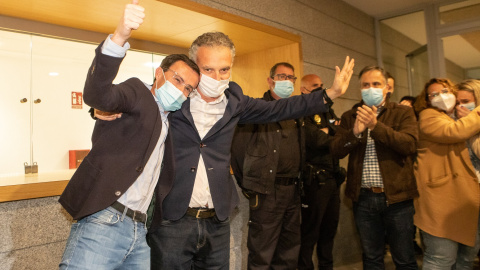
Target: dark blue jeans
[
  {"x": 375, "y": 219},
  {"x": 191, "y": 243}
]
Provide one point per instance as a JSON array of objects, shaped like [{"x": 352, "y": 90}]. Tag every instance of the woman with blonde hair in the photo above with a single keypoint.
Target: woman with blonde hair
[
  {"x": 447, "y": 210},
  {"x": 468, "y": 98}
]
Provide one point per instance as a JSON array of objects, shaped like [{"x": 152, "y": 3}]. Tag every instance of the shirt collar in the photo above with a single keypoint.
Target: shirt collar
[{"x": 196, "y": 96}]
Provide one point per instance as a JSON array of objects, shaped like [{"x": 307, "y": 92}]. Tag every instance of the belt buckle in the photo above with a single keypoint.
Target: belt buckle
[
  {"x": 199, "y": 211},
  {"x": 135, "y": 214},
  {"x": 376, "y": 189}
]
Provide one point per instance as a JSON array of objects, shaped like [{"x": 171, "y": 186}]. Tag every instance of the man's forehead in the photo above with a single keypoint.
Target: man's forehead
[
  {"x": 372, "y": 76},
  {"x": 185, "y": 71},
  {"x": 316, "y": 81},
  {"x": 214, "y": 52},
  {"x": 283, "y": 69}
]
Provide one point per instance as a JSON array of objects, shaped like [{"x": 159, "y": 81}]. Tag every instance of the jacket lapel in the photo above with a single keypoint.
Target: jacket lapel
[{"x": 227, "y": 115}]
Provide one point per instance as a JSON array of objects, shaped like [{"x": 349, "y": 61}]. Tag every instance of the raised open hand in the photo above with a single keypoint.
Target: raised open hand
[{"x": 342, "y": 79}]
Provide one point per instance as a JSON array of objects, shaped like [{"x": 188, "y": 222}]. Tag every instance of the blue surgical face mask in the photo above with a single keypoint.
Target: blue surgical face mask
[
  {"x": 169, "y": 96},
  {"x": 283, "y": 89},
  {"x": 470, "y": 106},
  {"x": 372, "y": 96}
]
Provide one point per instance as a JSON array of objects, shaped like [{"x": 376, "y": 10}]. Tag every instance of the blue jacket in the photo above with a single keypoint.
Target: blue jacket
[{"x": 215, "y": 146}]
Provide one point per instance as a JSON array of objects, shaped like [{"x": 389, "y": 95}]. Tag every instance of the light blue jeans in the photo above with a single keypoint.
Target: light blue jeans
[
  {"x": 445, "y": 254},
  {"x": 106, "y": 240}
]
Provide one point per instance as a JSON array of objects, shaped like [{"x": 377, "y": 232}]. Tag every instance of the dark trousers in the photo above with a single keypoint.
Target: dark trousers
[
  {"x": 274, "y": 230},
  {"x": 374, "y": 218},
  {"x": 320, "y": 215},
  {"x": 191, "y": 243}
]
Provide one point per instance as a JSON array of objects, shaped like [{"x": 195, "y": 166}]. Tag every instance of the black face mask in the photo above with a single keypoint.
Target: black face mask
[{"x": 314, "y": 90}]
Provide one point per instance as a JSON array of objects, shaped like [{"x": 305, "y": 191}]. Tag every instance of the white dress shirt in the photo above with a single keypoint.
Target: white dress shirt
[
  {"x": 205, "y": 115},
  {"x": 139, "y": 195}
]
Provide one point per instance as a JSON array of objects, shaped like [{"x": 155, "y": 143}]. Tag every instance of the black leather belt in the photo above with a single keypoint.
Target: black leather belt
[
  {"x": 135, "y": 215},
  {"x": 201, "y": 212},
  {"x": 285, "y": 181}
]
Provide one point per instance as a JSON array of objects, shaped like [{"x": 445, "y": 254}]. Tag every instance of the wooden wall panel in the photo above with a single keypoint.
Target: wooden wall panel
[{"x": 251, "y": 71}]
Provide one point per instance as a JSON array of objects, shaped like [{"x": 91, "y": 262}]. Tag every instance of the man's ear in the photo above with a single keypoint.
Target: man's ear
[
  {"x": 158, "y": 72},
  {"x": 389, "y": 88},
  {"x": 271, "y": 82}
]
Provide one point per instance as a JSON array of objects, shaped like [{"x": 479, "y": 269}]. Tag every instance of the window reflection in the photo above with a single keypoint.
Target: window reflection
[{"x": 48, "y": 69}]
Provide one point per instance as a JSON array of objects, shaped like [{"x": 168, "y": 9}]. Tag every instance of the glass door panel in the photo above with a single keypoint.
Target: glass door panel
[
  {"x": 59, "y": 68},
  {"x": 15, "y": 103},
  {"x": 417, "y": 70}
]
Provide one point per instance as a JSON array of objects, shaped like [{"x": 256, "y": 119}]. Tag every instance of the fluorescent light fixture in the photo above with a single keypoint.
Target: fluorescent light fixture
[{"x": 53, "y": 74}]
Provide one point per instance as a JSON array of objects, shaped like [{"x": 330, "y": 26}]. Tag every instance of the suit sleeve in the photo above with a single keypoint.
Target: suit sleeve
[
  {"x": 100, "y": 93},
  {"x": 262, "y": 112}
]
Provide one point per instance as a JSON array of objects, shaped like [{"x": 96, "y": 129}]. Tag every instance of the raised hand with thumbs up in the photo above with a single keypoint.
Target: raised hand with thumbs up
[{"x": 131, "y": 20}]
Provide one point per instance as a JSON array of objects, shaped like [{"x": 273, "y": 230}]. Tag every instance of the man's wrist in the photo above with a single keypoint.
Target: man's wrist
[
  {"x": 359, "y": 135},
  {"x": 326, "y": 98},
  {"x": 332, "y": 94}
]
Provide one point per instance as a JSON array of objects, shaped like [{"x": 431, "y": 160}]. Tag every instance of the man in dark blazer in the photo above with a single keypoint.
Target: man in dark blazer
[
  {"x": 110, "y": 192},
  {"x": 194, "y": 232}
]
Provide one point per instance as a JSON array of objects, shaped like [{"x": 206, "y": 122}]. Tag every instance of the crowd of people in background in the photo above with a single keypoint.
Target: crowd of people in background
[
  {"x": 412, "y": 165},
  {"x": 155, "y": 190}
]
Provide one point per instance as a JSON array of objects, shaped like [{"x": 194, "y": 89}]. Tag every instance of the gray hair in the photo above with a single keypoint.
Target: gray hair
[
  {"x": 372, "y": 68},
  {"x": 211, "y": 39}
]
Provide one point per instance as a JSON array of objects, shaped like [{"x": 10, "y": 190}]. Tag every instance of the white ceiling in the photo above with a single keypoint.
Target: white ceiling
[{"x": 467, "y": 57}]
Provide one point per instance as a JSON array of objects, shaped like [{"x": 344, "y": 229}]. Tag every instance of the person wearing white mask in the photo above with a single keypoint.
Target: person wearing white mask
[
  {"x": 111, "y": 190},
  {"x": 193, "y": 231},
  {"x": 468, "y": 98},
  {"x": 267, "y": 160},
  {"x": 447, "y": 210},
  {"x": 380, "y": 139}
]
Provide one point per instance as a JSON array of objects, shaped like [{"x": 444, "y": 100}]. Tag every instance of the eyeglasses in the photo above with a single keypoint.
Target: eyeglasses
[
  {"x": 283, "y": 77},
  {"x": 436, "y": 94},
  {"x": 179, "y": 81}
]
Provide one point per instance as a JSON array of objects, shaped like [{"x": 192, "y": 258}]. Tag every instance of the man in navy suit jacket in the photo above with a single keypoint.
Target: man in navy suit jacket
[
  {"x": 110, "y": 192},
  {"x": 194, "y": 231}
]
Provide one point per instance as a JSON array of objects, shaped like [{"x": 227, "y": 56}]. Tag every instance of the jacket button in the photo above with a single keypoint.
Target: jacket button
[
  {"x": 192, "y": 169},
  {"x": 118, "y": 193},
  {"x": 139, "y": 169}
]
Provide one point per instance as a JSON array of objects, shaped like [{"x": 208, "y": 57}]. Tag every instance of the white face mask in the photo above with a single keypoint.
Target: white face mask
[
  {"x": 444, "y": 102},
  {"x": 283, "y": 89},
  {"x": 211, "y": 87},
  {"x": 470, "y": 106},
  {"x": 373, "y": 96}
]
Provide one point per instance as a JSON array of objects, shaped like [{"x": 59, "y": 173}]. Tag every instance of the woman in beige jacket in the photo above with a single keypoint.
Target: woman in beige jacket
[{"x": 447, "y": 209}]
